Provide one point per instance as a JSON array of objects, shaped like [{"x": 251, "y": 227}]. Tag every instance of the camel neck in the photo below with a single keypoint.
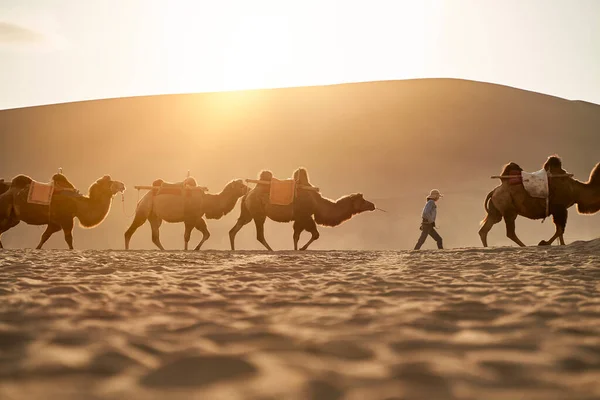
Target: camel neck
[
  {"x": 91, "y": 210},
  {"x": 219, "y": 204},
  {"x": 587, "y": 196},
  {"x": 332, "y": 213}
]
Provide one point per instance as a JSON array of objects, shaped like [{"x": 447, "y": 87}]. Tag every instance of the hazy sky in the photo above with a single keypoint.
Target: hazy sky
[{"x": 67, "y": 50}]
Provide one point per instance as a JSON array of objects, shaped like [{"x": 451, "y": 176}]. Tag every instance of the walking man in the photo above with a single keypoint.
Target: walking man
[{"x": 428, "y": 224}]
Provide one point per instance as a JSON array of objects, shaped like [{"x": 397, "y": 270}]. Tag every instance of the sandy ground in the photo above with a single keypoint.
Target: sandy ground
[{"x": 465, "y": 324}]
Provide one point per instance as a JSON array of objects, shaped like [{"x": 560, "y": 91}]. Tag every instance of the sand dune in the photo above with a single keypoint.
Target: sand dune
[
  {"x": 464, "y": 324},
  {"x": 393, "y": 141}
]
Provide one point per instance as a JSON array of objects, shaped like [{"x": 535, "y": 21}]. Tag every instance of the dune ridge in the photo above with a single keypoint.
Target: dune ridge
[{"x": 393, "y": 141}]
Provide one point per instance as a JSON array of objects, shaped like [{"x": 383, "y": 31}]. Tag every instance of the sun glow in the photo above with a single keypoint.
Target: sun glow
[
  {"x": 293, "y": 44},
  {"x": 237, "y": 51},
  {"x": 257, "y": 53}
]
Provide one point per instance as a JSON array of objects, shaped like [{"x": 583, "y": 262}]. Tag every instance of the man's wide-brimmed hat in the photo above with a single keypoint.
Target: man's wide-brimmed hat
[{"x": 435, "y": 194}]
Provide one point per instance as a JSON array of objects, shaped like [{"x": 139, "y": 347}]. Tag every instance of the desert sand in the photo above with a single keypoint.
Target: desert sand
[{"x": 500, "y": 323}]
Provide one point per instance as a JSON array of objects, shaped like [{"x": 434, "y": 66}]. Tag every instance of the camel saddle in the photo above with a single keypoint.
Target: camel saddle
[
  {"x": 40, "y": 193},
  {"x": 282, "y": 192},
  {"x": 178, "y": 188},
  {"x": 536, "y": 183}
]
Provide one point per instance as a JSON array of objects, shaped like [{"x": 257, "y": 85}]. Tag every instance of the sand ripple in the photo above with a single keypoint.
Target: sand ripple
[{"x": 465, "y": 324}]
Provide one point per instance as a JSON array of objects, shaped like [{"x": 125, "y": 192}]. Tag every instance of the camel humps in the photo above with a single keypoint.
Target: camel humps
[
  {"x": 66, "y": 204},
  {"x": 308, "y": 209},
  {"x": 190, "y": 206},
  {"x": 510, "y": 199}
]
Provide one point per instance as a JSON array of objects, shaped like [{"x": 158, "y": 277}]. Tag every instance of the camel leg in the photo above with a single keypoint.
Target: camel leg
[
  {"x": 560, "y": 221},
  {"x": 493, "y": 217},
  {"x": 298, "y": 228},
  {"x": 6, "y": 225},
  {"x": 155, "y": 223},
  {"x": 490, "y": 220},
  {"x": 511, "y": 233},
  {"x": 67, "y": 228},
  {"x": 260, "y": 231},
  {"x": 138, "y": 221},
  {"x": 201, "y": 226},
  {"x": 50, "y": 229},
  {"x": 244, "y": 219},
  {"x": 311, "y": 227},
  {"x": 187, "y": 234}
]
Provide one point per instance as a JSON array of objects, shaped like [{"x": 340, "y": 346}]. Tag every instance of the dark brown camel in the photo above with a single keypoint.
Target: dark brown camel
[
  {"x": 308, "y": 210},
  {"x": 188, "y": 208},
  {"x": 65, "y": 205},
  {"x": 510, "y": 199}
]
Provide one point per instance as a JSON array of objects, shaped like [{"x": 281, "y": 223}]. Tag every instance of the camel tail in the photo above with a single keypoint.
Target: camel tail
[
  {"x": 488, "y": 206},
  {"x": 486, "y": 203}
]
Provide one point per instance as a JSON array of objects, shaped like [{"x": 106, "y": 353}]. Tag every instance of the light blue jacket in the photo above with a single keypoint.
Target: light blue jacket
[{"x": 430, "y": 211}]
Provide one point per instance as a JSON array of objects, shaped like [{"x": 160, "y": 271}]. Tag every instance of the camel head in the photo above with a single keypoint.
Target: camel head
[
  {"x": 237, "y": 188},
  {"x": 359, "y": 204},
  {"x": 117, "y": 187},
  {"x": 106, "y": 185}
]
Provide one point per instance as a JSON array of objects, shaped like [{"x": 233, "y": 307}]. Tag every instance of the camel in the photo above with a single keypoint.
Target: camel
[
  {"x": 188, "y": 208},
  {"x": 510, "y": 199},
  {"x": 65, "y": 205},
  {"x": 308, "y": 209},
  {"x": 19, "y": 187}
]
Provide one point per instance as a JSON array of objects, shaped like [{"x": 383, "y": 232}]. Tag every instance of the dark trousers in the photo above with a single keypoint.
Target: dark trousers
[{"x": 429, "y": 230}]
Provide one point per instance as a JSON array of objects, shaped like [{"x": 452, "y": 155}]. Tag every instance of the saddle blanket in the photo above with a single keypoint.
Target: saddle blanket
[
  {"x": 282, "y": 192},
  {"x": 536, "y": 183},
  {"x": 174, "y": 188},
  {"x": 40, "y": 193}
]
